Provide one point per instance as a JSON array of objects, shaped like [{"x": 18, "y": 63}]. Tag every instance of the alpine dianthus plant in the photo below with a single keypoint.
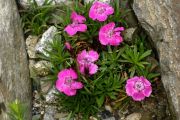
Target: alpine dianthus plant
[{"x": 99, "y": 68}]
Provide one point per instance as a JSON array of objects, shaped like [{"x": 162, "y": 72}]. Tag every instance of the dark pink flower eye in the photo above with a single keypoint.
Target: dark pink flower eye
[{"x": 139, "y": 86}]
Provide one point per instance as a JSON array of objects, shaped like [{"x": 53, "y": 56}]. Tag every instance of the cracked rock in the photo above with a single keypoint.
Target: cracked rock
[{"x": 47, "y": 37}]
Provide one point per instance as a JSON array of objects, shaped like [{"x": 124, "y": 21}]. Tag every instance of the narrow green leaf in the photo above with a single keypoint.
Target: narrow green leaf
[{"x": 147, "y": 53}]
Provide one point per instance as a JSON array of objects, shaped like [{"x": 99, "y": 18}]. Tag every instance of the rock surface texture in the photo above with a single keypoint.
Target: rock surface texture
[
  {"x": 27, "y": 3},
  {"x": 14, "y": 73},
  {"x": 161, "y": 20},
  {"x": 47, "y": 37}
]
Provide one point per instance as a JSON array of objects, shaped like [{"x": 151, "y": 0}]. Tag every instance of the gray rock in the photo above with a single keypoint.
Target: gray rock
[
  {"x": 36, "y": 117},
  {"x": 31, "y": 42},
  {"x": 128, "y": 34},
  {"x": 41, "y": 68},
  {"x": 50, "y": 97},
  {"x": 46, "y": 38},
  {"x": 161, "y": 20},
  {"x": 15, "y": 82},
  {"x": 49, "y": 113},
  {"x": 134, "y": 116},
  {"x": 45, "y": 85}
]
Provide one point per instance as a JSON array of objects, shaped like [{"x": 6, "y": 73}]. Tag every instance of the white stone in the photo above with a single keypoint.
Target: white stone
[
  {"x": 49, "y": 113},
  {"x": 50, "y": 97},
  {"x": 134, "y": 116},
  {"x": 46, "y": 38},
  {"x": 108, "y": 108}
]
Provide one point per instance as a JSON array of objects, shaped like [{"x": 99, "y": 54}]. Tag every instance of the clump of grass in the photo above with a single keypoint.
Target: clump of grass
[
  {"x": 35, "y": 18},
  {"x": 17, "y": 111}
]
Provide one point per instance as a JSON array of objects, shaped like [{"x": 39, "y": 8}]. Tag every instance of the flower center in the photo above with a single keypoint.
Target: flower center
[
  {"x": 68, "y": 81},
  {"x": 139, "y": 86},
  {"x": 110, "y": 33},
  {"x": 100, "y": 10},
  {"x": 74, "y": 24},
  {"x": 86, "y": 62}
]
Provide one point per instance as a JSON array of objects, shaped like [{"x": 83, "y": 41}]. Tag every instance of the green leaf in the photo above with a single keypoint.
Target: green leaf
[
  {"x": 100, "y": 100},
  {"x": 153, "y": 75},
  {"x": 147, "y": 53}
]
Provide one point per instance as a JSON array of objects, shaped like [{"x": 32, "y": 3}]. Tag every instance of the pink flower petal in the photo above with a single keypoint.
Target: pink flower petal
[
  {"x": 116, "y": 41},
  {"x": 71, "y": 31},
  {"x": 119, "y": 29},
  {"x": 78, "y": 18},
  {"x": 92, "y": 13},
  {"x": 62, "y": 74},
  {"x": 102, "y": 17},
  {"x": 110, "y": 25},
  {"x": 68, "y": 46},
  {"x": 81, "y": 27},
  {"x": 130, "y": 89},
  {"x": 81, "y": 69},
  {"x": 73, "y": 15},
  {"x": 94, "y": 55},
  {"x": 139, "y": 96},
  {"x": 77, "y": 85},
  {"x": 103, "y": 40},
  {"x": 59, "y": 85},
  {"x": 145, "y": 81},
  {"x": 93, "y": 69},
  {"x": 70, "y": 92},
  {"x": 147, "y": 91},
  {"x": 132, "y": 80},
  {"x": 81, "y": 56},
  {"x": 109, "y": 10},
  {"x": 72, "y": 74}
]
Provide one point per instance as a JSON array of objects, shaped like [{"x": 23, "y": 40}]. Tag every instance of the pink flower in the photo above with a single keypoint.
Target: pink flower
[
  {"x": 77, "y": 24},
  {"x": 138, "y": 88},
  {"x": 68, "y": 46},
  {"x": 86, "y": 61},
  {"x": 67, "y": 83},
  {"x": 109, "y": 35},
  {"x": 100, "y": 11}
]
